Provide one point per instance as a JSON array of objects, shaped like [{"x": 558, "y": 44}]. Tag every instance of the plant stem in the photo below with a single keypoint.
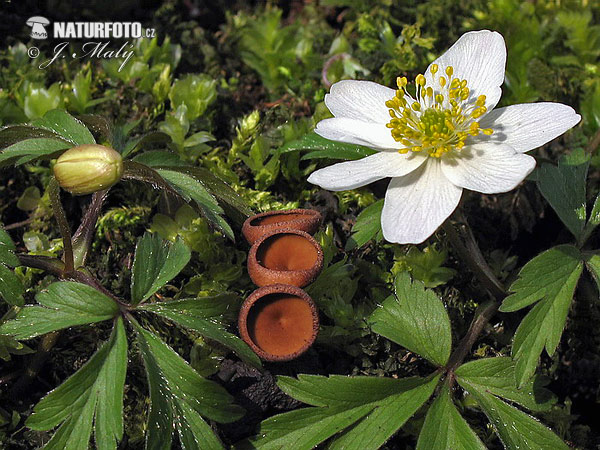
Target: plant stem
[
  {"x": 63, "y": 224},
  {"x": 470, "y": 253},
  {"x": 82, "y": 239}
]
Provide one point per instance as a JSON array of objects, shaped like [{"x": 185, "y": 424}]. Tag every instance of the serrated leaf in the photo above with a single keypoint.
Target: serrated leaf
[
  {"x": 66, "y": 126},
  {"x": 176, "y": 390},
  {"x": 415, "y": 318},
  {"x": 367, "y": 226},
  {"x": 64, "y": 304},
  {"x": 515, "y": 428},
  {"x": 593, "y": 221},
  {"x": 205, "y": 316},
  {"x": 563, "y": 186},
  {"x": 324, "y": 148},
  {"x": 191, "y": 189},
  {"x": 26, "y": 151},
  {"x": 542, "y": 277},
  {"x": 497, "y": 376},
  {"x": 11, "y": 288},
  {"x": 156, "y": 262},
  {"x": 444, "y": 427},
  {"x": 376, "y": 417},
  {"x": 12, "y": 134},
  {"x": 392, "y": 413},
  {"x": 551, "y": 276},
  {"x": 92, "y": 398},
  {"x": 592, "y": 263}
]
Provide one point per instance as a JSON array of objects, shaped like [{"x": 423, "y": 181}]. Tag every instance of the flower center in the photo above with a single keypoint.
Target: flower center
[{"x": 441, "y": 117}]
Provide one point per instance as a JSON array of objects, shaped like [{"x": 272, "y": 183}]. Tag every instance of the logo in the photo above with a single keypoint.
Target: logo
[{"x": 38, "y": 24}]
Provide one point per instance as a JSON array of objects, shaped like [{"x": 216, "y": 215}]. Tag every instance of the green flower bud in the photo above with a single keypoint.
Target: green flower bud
[{"x": 88, "y": 168}]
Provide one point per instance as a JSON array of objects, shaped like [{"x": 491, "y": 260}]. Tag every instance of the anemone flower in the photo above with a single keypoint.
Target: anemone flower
[{"x": 445, "y": 139}]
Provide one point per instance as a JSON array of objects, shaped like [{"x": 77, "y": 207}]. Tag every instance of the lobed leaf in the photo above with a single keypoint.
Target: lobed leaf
[
  {"x": 205, "y": 315},
  {"x": 551, "y": 276},
  {"x": 373, "y": 414},
  {"x": 66, "y": 126},
  {"x": 444, "y": 427},
  {"x": 91, "y": 399},
  {"x": 515, "y": 428},
  {"x": 415, "y": 318},
  {"x": 156, "y": 262},
  {"x": 28, "y": 150},
  {"x": 64, "y": 304},
  {"x": 367, "y": 226},
  {"x": 563, "y": 186},
  {"x": 497, "y": 376},
  {"x": 179, "y": 396}
]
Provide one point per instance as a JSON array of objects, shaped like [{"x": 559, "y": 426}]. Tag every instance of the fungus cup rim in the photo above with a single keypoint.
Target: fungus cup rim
[{"x": 260, "y": 294}]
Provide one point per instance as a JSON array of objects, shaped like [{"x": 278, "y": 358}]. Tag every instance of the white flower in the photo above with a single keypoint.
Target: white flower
[{"x": 446, "y": 139}]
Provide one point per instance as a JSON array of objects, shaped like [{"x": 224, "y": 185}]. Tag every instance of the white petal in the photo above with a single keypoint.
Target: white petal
[
  {"x": 528, "y": 126},
  {"x": 490, "y": 168},
  {"x": 353, "y": 131},
  {"x": 361, "y": 100},
  {"x": 353, "y": 174},
  {"x": 417, "y": 204},
  {"x": 478, "y": 57}
]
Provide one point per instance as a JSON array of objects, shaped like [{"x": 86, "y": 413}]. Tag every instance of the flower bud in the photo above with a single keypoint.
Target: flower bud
[{"x": 88, "y": 168}]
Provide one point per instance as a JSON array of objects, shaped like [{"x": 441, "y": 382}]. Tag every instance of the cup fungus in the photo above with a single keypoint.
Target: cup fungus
[
  {"x": 285, "y": 256},
  {"x": 307, "y": 220},
  {"x": 279, "y": 322}
]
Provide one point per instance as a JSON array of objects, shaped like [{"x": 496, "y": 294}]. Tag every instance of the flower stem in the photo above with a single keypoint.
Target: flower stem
[
  {"x": 82, "y": 239},
  {"x": 63, "y": 224},
  {"x": 467, "y": 250}
]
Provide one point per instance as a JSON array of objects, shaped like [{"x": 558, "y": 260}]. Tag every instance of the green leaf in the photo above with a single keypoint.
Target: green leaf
[
  {"x": 64, "y": 304},
  {"x": 367, "y": 226},
  {"x": 593, "y": 220},
  {"x": 156, "y": 262},
  {"x": 12, "y": 134},
  {"x": 205, "y": 315},
  {"x": 497, "y": 376},
  {"x": 93, "y": 395},
  {"x": 543, "y": 277},
  {"x": 415, "y": 318},
  {"x": 191, "y": 189},
  {"x": 26, "y": 151},
  {"x": 515, "y": 428},
  {"x": 218, "y": 188},
  {"x": 551, "y": 276},
  {"x": 592, "y": 262},
  {"x": 563, "y": 186},
  {"x": 11, "y": 288},
  {"x": 179, "y": 397},
  {"x": 444, "y": 427},
  {"x": 324, "y": 148},
  {"x": 66, "y": 126},
  {"x": 377, "y": 406}
]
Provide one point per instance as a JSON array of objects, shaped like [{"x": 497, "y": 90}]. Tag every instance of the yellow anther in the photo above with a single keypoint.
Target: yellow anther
[
  {"x": 480, "y": 100},
  {"x": 403, "y": 151},
  {"x": 420, "y": 80},
  {"x": 463, "y": 83},
  {"x": 449, "y": 71},
  {"x": 455, "y": 83},
  {"x": 487, "y": 131},
  {"x": 416, "y": 106},
  {"x": 442, "y": 81},
  {"x": 434, "y": 68},
  {"x": 417, "y": 149},
  {"x": 429, "y": 91},
  {"x": 439, "y": 98},
  {"x": 401, "y": 82}
]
